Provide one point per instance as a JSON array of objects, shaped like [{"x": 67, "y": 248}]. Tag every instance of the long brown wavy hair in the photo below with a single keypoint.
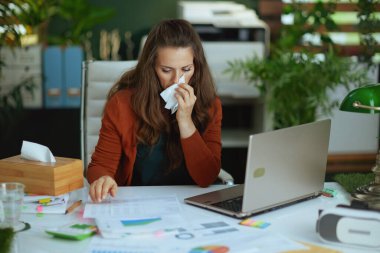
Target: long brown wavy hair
[{"x": 146, "y": 102}]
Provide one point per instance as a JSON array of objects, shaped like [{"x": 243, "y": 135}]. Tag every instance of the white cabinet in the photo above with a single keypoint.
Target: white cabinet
[
  {"x": 240, "y": 100},
  {"x": 21, "y": 64}
]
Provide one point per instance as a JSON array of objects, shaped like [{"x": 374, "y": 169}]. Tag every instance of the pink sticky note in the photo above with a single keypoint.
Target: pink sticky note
[{"x": 39, "y": 209}]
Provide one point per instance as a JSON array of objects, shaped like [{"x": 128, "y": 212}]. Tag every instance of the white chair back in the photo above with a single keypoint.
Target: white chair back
[{"x": 97, "y": 79}]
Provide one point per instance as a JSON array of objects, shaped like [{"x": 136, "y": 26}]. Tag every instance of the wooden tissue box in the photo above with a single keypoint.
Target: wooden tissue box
[{"x": 41, "y": 178}]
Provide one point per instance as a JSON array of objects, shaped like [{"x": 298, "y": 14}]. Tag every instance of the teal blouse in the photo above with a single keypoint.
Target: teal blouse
[{"x": 150, "y": 167}]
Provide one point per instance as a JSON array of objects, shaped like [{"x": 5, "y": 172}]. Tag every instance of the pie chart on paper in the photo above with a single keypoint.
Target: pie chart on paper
[{"x": 210, "y": 249}]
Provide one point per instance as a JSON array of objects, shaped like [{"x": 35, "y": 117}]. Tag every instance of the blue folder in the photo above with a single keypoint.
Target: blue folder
[
  {"x": 53, "y": 77},
  {"x": 72, "y": 66}
]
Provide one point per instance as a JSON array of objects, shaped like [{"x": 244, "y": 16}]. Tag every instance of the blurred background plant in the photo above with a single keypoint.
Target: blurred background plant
[
  {"x": 18, "y": 18},
  {"x": 26, "y": 22},
  {"x": 298, "y": 76},
  {"x": 368, "y": 24},
  {"x": 77, "y": 18},
  {"x": 24, "y": 17}
]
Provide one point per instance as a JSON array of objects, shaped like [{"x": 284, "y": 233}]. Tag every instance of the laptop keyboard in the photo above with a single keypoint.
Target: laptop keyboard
[{"x": 234, "y": 204}]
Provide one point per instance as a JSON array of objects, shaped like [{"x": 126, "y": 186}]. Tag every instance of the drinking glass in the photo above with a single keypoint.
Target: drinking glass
[{"x": 11, "y": 197}]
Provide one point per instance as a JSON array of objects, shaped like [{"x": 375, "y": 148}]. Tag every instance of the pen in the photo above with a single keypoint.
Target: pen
[
  {"x": 50, "y": 201},
  {"x": 44, "y": 200},
  {"x": 73, "y": 206}
]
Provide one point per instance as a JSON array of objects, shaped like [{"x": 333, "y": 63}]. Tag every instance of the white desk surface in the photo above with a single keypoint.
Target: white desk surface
[{"x": 296, "y": 222}]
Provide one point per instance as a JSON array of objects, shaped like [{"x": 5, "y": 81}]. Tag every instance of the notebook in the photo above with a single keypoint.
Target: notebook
[{"x": 283, "y": 166}]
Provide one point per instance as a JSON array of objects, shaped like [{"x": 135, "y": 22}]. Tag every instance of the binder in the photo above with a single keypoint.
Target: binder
[
  {"x": 53, "y": 77},
  {"x": 72, "y": 69}
]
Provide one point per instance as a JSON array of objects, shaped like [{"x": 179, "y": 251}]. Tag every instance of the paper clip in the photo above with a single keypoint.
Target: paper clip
[{"x": 44, "y": 201}]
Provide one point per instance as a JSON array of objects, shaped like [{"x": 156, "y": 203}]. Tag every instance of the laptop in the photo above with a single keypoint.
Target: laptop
[{"x": 283, "y": 167}]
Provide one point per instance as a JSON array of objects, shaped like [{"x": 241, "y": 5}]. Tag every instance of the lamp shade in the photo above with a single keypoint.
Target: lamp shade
[{"x": 365, "y": 99}]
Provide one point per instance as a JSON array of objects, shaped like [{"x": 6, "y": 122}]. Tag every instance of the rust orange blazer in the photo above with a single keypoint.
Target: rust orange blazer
[{"x": 115, "y": 152}]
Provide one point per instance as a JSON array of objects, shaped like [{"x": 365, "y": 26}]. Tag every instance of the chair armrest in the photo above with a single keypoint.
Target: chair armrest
[{"x": 225, "y": 177}]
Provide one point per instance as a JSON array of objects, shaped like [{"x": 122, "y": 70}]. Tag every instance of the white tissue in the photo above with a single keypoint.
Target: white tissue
[
  {"x": 169, "y": 95},
  {"x": 36, "y": 152}
]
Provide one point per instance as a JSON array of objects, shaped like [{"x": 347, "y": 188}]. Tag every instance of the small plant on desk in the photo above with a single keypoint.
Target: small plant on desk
[{"x": 6, "y": 238}]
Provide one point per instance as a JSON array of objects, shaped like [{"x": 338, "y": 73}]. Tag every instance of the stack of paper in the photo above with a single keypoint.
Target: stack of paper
[
  {"x": 157, "y": 226},
  {"x": 136, "y": 216},
  {"x": 45, "y": 204},
  {"x": 201, "y": 235}
]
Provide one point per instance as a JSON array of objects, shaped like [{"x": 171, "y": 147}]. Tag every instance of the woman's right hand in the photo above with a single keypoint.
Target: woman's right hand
[{"x": 101, "y": 187}]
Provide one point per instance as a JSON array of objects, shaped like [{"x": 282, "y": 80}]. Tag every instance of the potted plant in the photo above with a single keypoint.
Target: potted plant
[
  {"x": 294, "y": 81},
  {"x": 22, "y": 17},
  {"x": 11, "y": 102},
  {"x": 76, "y": 18}
]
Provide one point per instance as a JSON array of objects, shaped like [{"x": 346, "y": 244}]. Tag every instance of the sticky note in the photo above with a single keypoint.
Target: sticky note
[
  {"x": 254, "y": 223},
  {"x": 329, "y": 192},
  {"x": 40, "y": 209}
]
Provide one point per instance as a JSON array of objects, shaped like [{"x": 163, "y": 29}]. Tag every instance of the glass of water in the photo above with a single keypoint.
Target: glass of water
[{"x": 11, "y": 197}]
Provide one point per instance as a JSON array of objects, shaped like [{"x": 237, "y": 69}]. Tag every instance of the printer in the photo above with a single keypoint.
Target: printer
[
  {"x": 229, "y": 31},
  {"x": 224, "y": 20}
]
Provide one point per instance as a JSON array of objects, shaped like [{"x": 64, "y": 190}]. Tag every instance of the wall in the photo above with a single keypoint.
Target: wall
[{"x": 139, "y": 16}]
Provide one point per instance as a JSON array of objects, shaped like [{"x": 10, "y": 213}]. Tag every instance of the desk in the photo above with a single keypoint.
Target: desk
[{"x": 296, "y": 222}]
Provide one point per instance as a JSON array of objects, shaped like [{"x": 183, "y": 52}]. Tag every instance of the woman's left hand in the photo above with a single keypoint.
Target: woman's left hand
[{"x": 186, "y": 100}]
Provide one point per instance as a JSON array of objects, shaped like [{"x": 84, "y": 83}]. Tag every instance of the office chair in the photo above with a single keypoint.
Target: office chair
[{"x": 97, "y": 79}]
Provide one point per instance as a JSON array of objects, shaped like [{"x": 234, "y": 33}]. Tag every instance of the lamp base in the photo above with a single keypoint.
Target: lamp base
[{"x": 370, "y": 193}]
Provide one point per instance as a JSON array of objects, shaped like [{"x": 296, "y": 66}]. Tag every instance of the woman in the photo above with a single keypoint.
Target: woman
[{"x": 143, "y": 143}]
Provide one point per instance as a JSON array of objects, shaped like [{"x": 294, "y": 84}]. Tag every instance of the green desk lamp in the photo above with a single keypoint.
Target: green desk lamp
[{"x": 366, "y": 99}]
